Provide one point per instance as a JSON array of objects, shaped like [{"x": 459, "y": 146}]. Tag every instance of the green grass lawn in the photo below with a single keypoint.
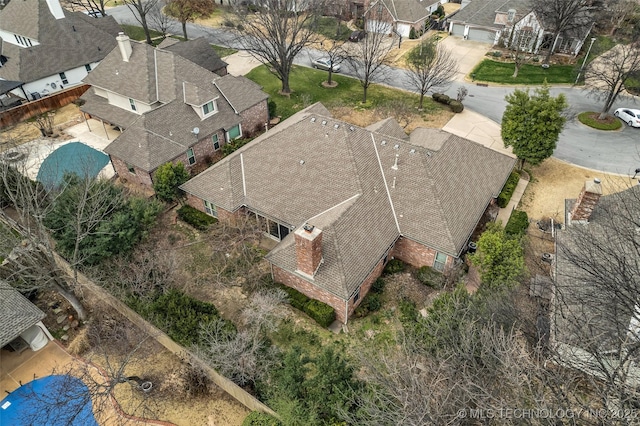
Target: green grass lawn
[
  {"x": 136, "y": 33},
  {"x": 306, "y": 85},
  {"x": 328, "y": 27},
  {"x": 223, "y": 51},
  {"x": 501, "y": 72}
]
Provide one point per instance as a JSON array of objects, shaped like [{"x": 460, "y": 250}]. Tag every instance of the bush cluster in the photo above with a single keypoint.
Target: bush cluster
[
  {"x": 195, "y": 217},
  {"x": 371, "y": 302},
  {"x": 322, "y": 313},
  {"x": 394, "y": 266},
  {"x": 430, "y": 277},
  {"x": 517, "y": 224},
  {"x": 455, "y": 105},
  {"x": 273, "y": 108},
  {"x": 235, "y": 144},
  {"x": 507, "y": 191},
  {"x": 256, "y": 418}
]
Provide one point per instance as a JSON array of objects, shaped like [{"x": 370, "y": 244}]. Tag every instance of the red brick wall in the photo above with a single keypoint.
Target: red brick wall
[
  {"x": 254, "y": 118},
  {"x": 415, "y": 254},
  {"x": 140, "y": 177},
  {"x": 223, "y": 215},
  {"x": 308, "y": 250}
]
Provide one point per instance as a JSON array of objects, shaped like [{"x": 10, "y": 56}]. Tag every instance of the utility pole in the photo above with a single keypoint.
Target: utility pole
[{"x": 584, "y": 61}]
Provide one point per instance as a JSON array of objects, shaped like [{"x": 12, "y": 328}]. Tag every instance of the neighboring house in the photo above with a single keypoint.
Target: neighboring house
[
  {"x": 494, "y": 22},
  {"x": 169, "y": 108},
  {"x": 20, "y": 321},
  {"x": 396, "y": 16},
  {"x": 595, "y": 319},
  {"x": 198, "y": 51},
  {"x": 46, "y": 48},
  {"x": 342, "y": 200},
  {"x": 356, "y": 8}
]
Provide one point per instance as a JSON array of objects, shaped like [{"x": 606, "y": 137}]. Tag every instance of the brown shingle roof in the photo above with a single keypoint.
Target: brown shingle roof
[
  {"x": 67, "y": 43},
  {"x": 342, "y": 178},
  {"x": 198, "y": 51},
  {"x": 17, "y": 314},
  {"x": 405, "y": 10}
]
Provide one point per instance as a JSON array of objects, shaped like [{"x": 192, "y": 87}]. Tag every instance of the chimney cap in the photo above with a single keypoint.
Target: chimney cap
[{"x": 307, "y": 227}]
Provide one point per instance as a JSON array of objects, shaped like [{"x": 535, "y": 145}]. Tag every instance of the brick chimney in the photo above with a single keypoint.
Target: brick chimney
[
  {"x": 586, "y": 202},
  {"x": 124, "y": 44},
  {"x": 308, "y": 249}
]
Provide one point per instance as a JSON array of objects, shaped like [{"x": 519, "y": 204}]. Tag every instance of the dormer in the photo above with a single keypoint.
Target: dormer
[
  {"x": 511, "y": 15},
  {"x": 203, "y": 101}
]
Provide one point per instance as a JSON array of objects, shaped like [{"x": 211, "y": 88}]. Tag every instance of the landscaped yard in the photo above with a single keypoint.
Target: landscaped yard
[{"x": 502, "y": 72}]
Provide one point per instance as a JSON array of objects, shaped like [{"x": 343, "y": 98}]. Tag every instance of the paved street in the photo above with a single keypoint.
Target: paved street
[{"x": 613, "y": 152}]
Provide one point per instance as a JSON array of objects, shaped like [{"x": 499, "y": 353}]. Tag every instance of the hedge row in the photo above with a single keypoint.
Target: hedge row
[
  {"x": 455, "y": 105},
  {"x": 322, "y": 313},
  {"x": 256, "y": 418},
  {"x": 507, "y": 191},
  {"x": 195, "y": 217},
  {"x": 517, "y": 224},
  {"x": 371, "y": 302}
]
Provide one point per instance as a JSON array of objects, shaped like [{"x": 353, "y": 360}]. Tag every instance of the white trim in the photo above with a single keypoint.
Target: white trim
[
  {"x": 331, "y": 208},
  {"x": 244, "y": 183},
  {"x": 393, "y": 210},
  {"x": 155, "y": 69}
]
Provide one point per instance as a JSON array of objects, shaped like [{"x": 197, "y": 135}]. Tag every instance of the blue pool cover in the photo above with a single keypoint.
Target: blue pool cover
[
  {"x": 50, "y": 401},
  {"x": 74, "y": 157}
]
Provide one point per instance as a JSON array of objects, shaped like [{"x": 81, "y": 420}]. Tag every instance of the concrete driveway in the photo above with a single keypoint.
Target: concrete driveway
[{"x": 467, "y": 53}]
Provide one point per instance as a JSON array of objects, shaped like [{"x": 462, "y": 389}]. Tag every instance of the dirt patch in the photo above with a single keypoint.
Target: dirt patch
[
  {"x": 365, "y": 117},
  {"x": 553, "y": 181}
]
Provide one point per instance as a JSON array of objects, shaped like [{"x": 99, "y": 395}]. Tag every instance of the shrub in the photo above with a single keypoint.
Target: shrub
[
  {"x": 518, "y": 223},
  {"x": 167, "y": 179},
  {"x": 430, "y": 277},
  {"x": 273, "y": 108},
  {"x": 507, "y": 191},
  {"x": 441, "y": 98},
  {"x": 394, "y": 266},
  {"x": 412, "y": 34},
  {"x": 195, "y": 217},
  {"x": 378, "y": 285},
  {"x": 456, "y": 106},
  {"x": 230, "y": 147},
  {"x": 371, "y": 303},
  {"x": 322, "y": 313},
  {"x": 257, "y": 418},
  {"x": 496, "y": 54}
]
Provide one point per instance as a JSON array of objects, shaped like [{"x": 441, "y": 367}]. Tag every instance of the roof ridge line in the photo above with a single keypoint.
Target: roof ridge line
[{"x": 386, "y": 186}]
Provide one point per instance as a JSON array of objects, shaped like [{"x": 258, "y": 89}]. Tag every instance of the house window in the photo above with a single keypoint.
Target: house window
[
  {"x": 131, "y": 169},
  {"x": 209, "y": 108},
  {"x": 439, "y": 262},
  {"x": 132, "y": 103},
  {"x": 191, "y": 156},
  {"x": 63, "y": 77},
  {"x": 210, "y": 208},
  {"x": 234, "y": 133},
  {"x": 88, "y": 67},
  {"x": 356, "y": 297},
  {"x": 216, "y": 142},
  {"x": 272, "y": 228}
]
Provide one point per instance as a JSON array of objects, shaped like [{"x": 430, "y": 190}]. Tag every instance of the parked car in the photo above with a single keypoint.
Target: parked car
[
  {"x": 324, "y": 64},
  {"x": 357, "y": 35},
  {"x": 629, "y": 116}
]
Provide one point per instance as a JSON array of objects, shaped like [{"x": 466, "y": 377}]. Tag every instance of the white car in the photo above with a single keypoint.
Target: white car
[
  {"x": 325, "y": 64},
  {"x": 629, "y": 116}
]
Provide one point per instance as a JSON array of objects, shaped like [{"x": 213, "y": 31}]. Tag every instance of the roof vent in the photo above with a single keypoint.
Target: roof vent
[
  {"x": 383, "y": 143},
  {"x": 324, "y": 122},
  {"x": 596, "y": 180},
  {"x": 428, "y": 154},
  {"x": 301, "y": 162},
  {"x": 396, "y": 146},
  {"x": 313, "y": 119},
  {"x": 336, "y": 126},
  {"x": 412, "y": 151},
  {"x": 352, "y": 128}
]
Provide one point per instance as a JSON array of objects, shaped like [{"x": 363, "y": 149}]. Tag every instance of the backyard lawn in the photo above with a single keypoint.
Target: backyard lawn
[{"x": 501, "y": 72}]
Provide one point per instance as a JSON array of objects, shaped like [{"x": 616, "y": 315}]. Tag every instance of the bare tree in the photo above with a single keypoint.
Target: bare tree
[
  {"x": 596, "y": 314},
  {"x": 88, "y": 5},
  {"x": 44, "y": 123},
  {"x": 608, "y": 73},
  {"x": 561, "y": 16},
  {"x": 430, "y": 67},
  {"x": 275, "y": 31},
  {"x": 160, "y": 21},
  {"x": 369, "y": 56},
  {"x": 619, "y": 11},
  {"x": 188, "y": 10},
  {"x": 140, "y": 9}
]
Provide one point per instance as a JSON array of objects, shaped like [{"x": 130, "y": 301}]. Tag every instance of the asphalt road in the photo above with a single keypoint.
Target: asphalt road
[{"x": 613, "y": 152}]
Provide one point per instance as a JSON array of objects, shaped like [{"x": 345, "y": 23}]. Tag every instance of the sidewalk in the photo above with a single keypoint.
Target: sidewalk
[{"x": 505, "y": 213}]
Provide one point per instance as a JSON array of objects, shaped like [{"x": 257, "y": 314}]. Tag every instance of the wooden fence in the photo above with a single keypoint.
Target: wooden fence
[{"x": 30, "y": 109}]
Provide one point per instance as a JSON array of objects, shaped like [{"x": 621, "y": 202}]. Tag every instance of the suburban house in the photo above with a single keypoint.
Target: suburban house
[
  {"x": 396, "y": 16},
  {"x": 505, "y": 22},
  {"x": 45, "y": 49},
  {"x": 342, "y": 200},
  {"x": 595, "y": 315},
  {"x": 169, "y": 108},
  {"x": 357, "y": 8},
  {"x": 198, "y": 51},
  {"x": 20, "y": 321}
]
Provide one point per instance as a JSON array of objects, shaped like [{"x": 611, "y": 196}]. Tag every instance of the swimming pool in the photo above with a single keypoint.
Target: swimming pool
[
  {"x": 49, "y": 401},
  {"x": 74, "y": 157}
]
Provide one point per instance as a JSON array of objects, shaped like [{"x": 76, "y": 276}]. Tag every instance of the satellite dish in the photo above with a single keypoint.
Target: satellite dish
[{"x": 195, "y": 130}]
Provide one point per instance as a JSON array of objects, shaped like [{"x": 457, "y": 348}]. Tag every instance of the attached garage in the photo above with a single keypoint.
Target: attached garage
[
  {"x": 403, "y": 29},
  {"x": 457, "y": 30},
  {"x": 481, "y": 35},
  {"x": 382, "y": 27}
]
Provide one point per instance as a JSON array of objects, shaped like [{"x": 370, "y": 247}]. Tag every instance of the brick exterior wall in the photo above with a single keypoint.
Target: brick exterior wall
[
  {"x": 140, "y": 177},
  {"x": 223, "y": 215},
  {"x": 416, "y": 254},
  {"x": 308, "y": 250},
  {"x": 586, "y": 202},
  {"x": 254, "y": 119}
]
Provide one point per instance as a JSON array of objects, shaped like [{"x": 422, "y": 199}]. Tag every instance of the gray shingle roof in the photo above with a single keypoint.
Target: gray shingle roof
[
  {"x": 341, "y": 178},
  {"x": 17, "y": 314},
  {"x": 67, "y": 43},
  {"x": 166, "y": 81},
  {"x": 597, "y": 281},
  {"x": 388, "y": 126},
  {"x": 406, "y": 10},
  {"x": 198, "y": 51},
  {"x": 483, "y": 12}
]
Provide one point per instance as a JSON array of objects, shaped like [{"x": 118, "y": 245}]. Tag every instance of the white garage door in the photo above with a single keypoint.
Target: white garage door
[
  {"x": 484, "y": 36},
  {"x": 458, "y": 30},
  {"x": 374, "y": 26},
  {"x": 404, "y": 30}
]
